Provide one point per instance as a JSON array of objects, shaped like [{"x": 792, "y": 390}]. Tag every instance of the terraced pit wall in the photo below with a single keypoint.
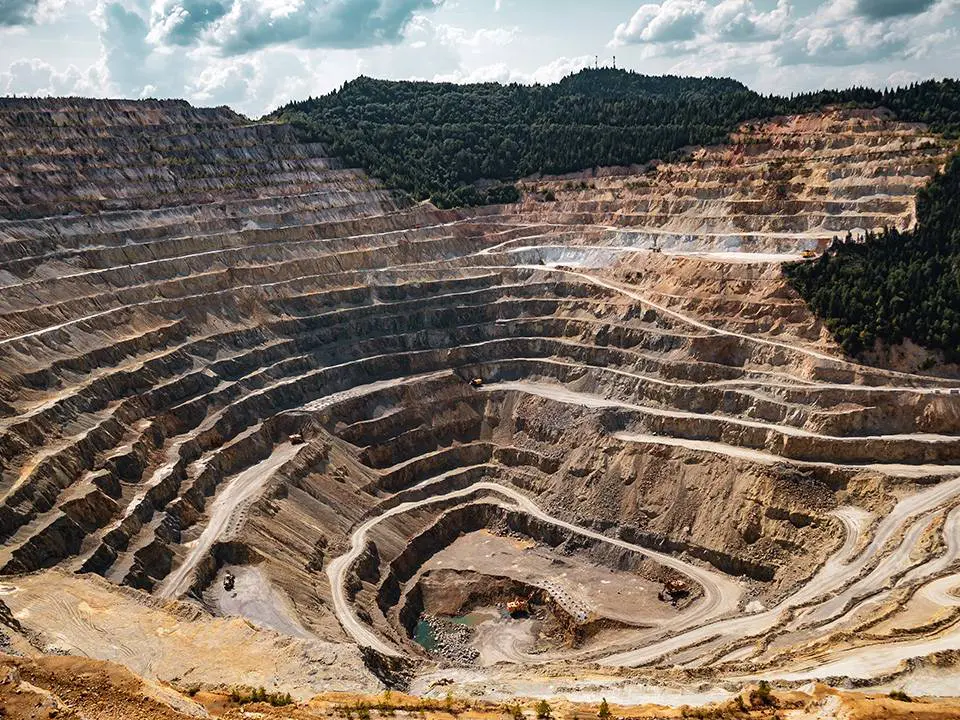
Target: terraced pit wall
[{"x": 184, "y": 293}]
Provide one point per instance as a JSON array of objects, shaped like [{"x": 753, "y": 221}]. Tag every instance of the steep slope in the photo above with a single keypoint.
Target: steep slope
[
  {"x": 897, "y": 285},
  {"x": 256, "y": 397},
  {"x": 778, "y": 186}
]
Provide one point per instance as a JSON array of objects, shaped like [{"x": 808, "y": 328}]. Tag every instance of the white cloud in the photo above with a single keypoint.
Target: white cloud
[
  {"x": 901, "y": 78},
  {"x": 671, "y": 21},
  {"x": 476, "y": 39},
  {"x": 838, "y": 33},
  {"x": 36, "y": 77},
  {"x": 501, "y": 72},
  {"x": 740, "y": 21},
  {"x": 14, "y": 13},
  {"x": 558, "y": 69},
  {"x": 236, "y": 27}
]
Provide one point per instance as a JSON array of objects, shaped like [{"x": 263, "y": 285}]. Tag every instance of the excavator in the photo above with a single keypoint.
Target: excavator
[
  {"x": 673, "y": 591},
  {"x": 519, "y": 607}
]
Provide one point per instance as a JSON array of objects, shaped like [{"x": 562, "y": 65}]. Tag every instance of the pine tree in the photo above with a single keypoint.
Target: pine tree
[{"x": 604, "y": 712}]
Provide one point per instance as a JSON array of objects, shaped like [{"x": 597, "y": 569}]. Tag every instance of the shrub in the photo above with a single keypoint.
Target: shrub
[
  {"x": 255, "y": 695},
  {"x": 762, "y": 696}
]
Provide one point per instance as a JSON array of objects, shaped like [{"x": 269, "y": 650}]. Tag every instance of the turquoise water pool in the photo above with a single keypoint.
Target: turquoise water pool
[{"x": 424, "y": 634}]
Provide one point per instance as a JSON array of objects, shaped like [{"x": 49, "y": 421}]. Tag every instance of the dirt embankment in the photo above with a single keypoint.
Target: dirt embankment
[{"x": 81, "y": 689}]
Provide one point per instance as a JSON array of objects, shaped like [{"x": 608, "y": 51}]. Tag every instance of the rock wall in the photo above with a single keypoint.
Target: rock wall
[{"x": 217, "y": 345}]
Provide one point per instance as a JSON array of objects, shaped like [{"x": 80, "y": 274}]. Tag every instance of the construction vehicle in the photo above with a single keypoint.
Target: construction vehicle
[
  {"x": 674, "y": 590},
  {"x": 518, "y": 607}
]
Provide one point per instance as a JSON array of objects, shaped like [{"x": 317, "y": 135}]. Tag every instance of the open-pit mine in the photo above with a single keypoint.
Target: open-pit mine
[{"x": 263, "y": 422}]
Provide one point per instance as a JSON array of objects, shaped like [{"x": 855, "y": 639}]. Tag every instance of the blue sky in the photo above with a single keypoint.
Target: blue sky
[{"x": 256, "y": 54}]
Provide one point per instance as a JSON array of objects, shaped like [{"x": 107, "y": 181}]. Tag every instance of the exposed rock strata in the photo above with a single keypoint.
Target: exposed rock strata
[{"x": 219, "y": 347}]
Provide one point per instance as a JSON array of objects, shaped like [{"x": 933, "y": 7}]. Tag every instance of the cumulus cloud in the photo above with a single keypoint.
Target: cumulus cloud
[
  {"x": 671, "y": 21},
  {"x": 196, "y": 49},
  {"x": 902, "y": 78},
  {"x": 501, "y": 72},
  {"x": 477, "y": 39},
  {"x": 558, "y": 69},
  {"x": 678, "y": 21},
  {"x": 14, "y": 13},
  {"x": 125, "y": 53},
  {"x": 851, "y": 44},
  {"x": 882, "y": 9},
  {"x": 180, "y": 22},
  {"x": 37, "y": 77},
  {"x": 236, "y": 27},
  {"x": 841, "y": 34},
  {"x": 838, "y": 33},
  {"x": 17, "y": 12},
  {"x": 740, "y": 21}
]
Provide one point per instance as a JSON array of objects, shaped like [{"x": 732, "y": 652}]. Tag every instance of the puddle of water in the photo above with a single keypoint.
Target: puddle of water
[{"x": 426, "y": 638}]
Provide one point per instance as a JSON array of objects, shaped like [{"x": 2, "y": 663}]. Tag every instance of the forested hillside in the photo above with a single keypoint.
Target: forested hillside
[
  {"x": 437, "y": 140},
  {"x": 466, "y": 144},
  {"x": 895, "y": 285}
]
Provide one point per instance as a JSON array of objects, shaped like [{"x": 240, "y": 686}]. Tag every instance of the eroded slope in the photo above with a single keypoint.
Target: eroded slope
[
  {"x": 255, "y": 398},
  {"x": 779, "y": 186}
]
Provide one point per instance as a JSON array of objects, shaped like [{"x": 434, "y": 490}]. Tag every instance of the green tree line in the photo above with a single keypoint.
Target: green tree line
[
  {"x": 895, "y": 285},
  {"x": 467, "y": 144}
]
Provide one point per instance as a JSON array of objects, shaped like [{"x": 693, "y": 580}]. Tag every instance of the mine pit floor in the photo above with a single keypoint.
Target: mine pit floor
[
  {"x": 626, "y": 597},
  {"x": 256, "y": 599}
]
